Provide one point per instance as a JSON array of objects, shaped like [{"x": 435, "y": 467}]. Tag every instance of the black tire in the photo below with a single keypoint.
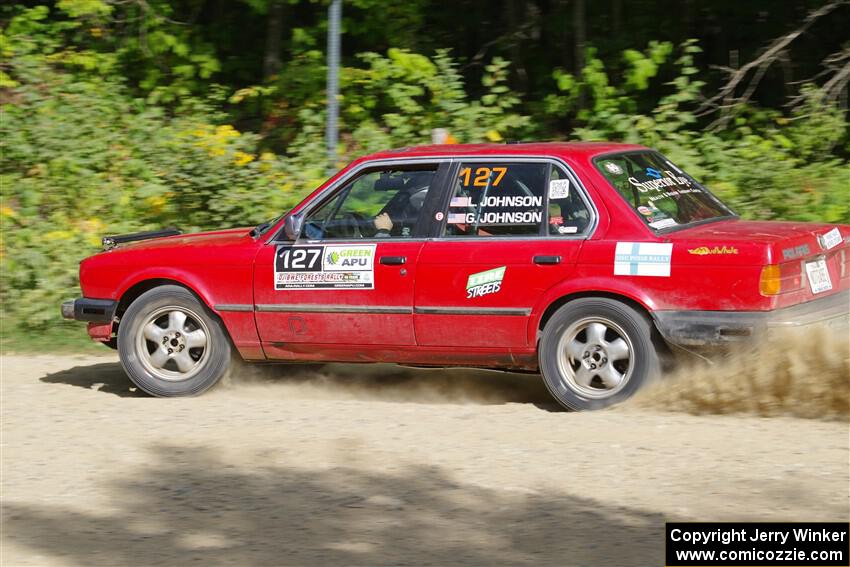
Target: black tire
[
  {"x": 211, "y": 362},
  {"x": 569, "y": 348}
]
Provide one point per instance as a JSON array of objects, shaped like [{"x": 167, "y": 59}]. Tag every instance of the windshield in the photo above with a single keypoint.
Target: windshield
[{"x": 663, "y": 195}]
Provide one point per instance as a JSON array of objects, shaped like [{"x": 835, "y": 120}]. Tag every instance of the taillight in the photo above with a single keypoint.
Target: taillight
[{"x": 770, "y": 282}]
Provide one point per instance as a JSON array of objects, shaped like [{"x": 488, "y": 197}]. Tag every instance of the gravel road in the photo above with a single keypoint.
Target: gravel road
[{"x": 353, "y": 465}]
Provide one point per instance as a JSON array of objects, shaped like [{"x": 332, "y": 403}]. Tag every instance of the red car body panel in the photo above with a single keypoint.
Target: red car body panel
[
  {"x": 216, "y": 266},
  {"x": 359, "y": 328},
  {"x": 418, "y": 312},
  {"x": 444, "y": 267}
]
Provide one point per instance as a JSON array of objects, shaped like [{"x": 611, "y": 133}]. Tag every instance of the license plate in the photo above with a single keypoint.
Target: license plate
[{"x": 818, "y": 276}]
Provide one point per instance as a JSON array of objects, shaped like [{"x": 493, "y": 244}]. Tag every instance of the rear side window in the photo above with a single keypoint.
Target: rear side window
[
  {"x": 498, "y": 199},
  {"x": 568, "y": 213},
  {"x": 663, "y": 195}
]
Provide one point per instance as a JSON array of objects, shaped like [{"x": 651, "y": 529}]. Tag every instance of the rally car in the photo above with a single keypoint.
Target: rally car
[{"x": 586, "y": 262}]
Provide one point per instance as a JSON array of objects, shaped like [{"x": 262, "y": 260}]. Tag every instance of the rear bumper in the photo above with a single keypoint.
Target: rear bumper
[
  {"x": 719, "y": 328},
  {"x": 91, "y": 310}
]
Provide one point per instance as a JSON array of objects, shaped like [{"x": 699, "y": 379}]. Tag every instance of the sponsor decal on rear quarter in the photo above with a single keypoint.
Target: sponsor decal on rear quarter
[
  {"x": 706, "y": 251},
  {"x": 643, "y": 259}
]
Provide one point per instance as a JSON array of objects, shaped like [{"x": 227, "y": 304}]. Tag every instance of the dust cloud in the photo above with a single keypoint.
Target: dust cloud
[
  {"x": 799, "y": 373},
  {"x": 387, "y": 382}
]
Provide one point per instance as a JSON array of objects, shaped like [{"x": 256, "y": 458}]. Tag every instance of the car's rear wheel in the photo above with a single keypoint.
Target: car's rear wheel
[
  {"x": 596, "y": 352},
  {"x": 171, "y": 345}
]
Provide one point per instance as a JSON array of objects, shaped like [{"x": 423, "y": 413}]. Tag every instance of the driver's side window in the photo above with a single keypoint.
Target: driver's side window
[{"x": 379, "y": 203}]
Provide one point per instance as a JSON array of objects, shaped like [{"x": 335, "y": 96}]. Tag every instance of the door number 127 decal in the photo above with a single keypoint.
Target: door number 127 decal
[{"x": 325, "y": 267}]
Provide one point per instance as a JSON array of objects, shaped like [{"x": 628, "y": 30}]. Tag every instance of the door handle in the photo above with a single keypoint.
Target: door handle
[
  {"x": 547, "y": 260},
  {"x": 393, "y": 260}
]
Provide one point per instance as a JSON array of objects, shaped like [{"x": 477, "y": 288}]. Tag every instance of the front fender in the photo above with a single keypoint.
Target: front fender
[
  {"x": 179, "y": 276},
  {"x": 233, "y": 286}
]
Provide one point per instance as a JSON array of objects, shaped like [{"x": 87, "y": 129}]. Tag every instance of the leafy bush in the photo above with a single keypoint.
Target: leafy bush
[
  {"x": 766, "y": 165},
  {"x": 390, "y": 101},
  {"x": 81, "y": 158}
]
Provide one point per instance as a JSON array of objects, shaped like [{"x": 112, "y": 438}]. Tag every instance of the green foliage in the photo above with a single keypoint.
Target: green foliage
[
  {"x": 391, "y": 100},
  {"x": 765, "y": 165},
  {"x": 399, "y": 98},
  {"x": 82, "y": 158},
  {"x": 643, "y": 67}
]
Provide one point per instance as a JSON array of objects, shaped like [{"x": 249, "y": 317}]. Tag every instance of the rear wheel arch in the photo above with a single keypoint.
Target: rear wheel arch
[
  {"x": 564, "y": 299},
  {"x": 639, "y": 306}
]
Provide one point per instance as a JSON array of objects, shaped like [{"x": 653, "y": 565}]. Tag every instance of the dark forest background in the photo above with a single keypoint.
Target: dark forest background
[{"x": 120, "y": 115}]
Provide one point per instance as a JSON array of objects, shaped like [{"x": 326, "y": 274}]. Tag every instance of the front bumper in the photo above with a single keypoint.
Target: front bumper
[
  {"x": 91, "y": 310},
  {"x": 719, "y": 328}
]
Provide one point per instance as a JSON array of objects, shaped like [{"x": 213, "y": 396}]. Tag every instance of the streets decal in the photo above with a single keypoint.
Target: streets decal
[
  {"x": 325, "y": 267},
  {"x": 642, "y": 259},
  {"x": 484, "y": 283}
]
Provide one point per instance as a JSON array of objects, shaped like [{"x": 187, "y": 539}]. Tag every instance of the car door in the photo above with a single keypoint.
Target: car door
[
  {"x": 349, "y": 279},
  {"x": 512, "y": 229}
]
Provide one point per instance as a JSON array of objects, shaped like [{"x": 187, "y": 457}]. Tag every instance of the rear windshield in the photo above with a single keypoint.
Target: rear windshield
[{"x": 663, "y": 195}]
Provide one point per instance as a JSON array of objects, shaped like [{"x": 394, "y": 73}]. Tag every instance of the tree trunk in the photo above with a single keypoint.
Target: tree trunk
[
  {"x": 579, "y": 33},
  {"x": 689, "y": 14},
  {"x": 617, "y": 17},
  {"x": 274, "y": 30},
  {"x": 512, "y": 25},
  {"x": 579, "y": 38}
]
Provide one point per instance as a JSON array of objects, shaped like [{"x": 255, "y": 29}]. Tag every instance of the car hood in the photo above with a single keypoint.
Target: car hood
[
  {"x": 232, "y": 247},
  {"x": 209, "y": 239}
]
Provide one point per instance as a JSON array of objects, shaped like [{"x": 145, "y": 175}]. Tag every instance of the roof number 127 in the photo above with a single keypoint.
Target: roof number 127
[{"x": 482, "y": 176}]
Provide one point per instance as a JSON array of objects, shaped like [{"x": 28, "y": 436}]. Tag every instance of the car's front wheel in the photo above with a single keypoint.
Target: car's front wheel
[
  {"x": 596, "y": 352},
  {"x": 171, "y": 345}
]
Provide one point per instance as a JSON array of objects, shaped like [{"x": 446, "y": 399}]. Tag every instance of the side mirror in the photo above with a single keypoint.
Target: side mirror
[{"x": 292, "y": 226}]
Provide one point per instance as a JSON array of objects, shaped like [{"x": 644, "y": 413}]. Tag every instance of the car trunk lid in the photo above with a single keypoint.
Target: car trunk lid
[{"x": 812, "y": 259}]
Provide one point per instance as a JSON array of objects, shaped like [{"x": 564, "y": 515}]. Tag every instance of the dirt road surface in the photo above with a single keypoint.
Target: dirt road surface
[{"x": 355, "y": 465}]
